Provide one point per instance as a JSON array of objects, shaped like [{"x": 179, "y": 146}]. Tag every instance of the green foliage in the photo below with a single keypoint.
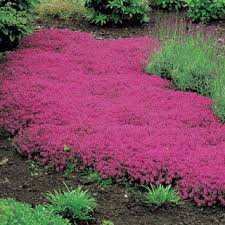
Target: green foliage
[
  {"x": 191, "y": 62},
  {"x": 19, "y": 5},
  {"x": 73, "y": 204},
  {"x": 171, "y": 4},
  {"x": 15, "y": 213},
  {"x": 62, "y": 10},
  {"x": 93, "y": 176},
  {"x": 103, "y": 12},
  {"x": 162, "y": 195},
  {"x": 15, "y": 21},
  {"x": 205, "y": 10},
  {"x": 13, "y": 26},
  {"x": 107, "y": 222}
]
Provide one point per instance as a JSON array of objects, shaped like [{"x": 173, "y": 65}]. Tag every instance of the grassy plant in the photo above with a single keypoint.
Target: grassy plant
[
  {"x": 218, "y": 93},
  {"x": 62, "y": 10},
  {"x": 73, "y": 204},
  {"x": 191, "y": 62},
  {"x": 16, "y": 213},
  {"x": 162, "y": 195}
]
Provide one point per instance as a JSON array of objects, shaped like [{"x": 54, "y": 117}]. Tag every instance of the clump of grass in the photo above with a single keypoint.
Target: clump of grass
[
  {"x": 190, "y": 60},
  {"x": 72, "y": 204},
  {"x": 62, "y": 10},
  {"x": 161, "y": 195}
]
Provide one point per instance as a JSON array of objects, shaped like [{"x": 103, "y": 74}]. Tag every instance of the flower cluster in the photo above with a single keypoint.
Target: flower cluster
[{"x": 66, "y": 88}]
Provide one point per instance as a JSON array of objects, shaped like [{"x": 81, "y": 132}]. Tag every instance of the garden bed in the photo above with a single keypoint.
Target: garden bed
[{"x": 112, "y": 204}]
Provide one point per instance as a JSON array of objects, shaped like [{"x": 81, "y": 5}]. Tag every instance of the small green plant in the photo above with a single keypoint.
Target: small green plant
[
  {"x": 161, "y": 195},
  {"x": 94, "y": 176},
  {"x": 16, "y": 213},
  {"x": 103, "y": 12},
  {"x": 107, "y": 222},
  {"x": 72, "y": 204}
]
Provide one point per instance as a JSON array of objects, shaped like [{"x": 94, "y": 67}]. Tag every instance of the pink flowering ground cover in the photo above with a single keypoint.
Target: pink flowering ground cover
[{"x": 66, "y": 88}]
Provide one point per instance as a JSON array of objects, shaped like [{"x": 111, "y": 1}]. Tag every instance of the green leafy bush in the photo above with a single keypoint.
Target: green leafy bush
[
  {"x": 16, "y": 213},
  {"x": 73, "y": 204},
  {"x": 171, "y": 4},
  {"x": 13, "y": 26},
  {"x": 62, "y": 10},
  {"x": 162, "y": 195},
  {"x": 205, "y": 10},
  {"x": 19, "y": 5},
  {"x": 103, "y": 12}
]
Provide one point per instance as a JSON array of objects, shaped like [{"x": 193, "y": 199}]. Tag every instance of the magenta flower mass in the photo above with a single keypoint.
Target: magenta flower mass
[{"x": 66, "y": 88}]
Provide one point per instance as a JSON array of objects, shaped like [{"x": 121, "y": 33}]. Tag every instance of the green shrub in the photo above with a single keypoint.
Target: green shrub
[
  {"x": 162, "y": 195},
  {"x": 15, "y": 213},
  {"x": 103, "y": 12},
  {"x": 205, "y": 10},
  {"x": 171, "y": 4},
  {"x": 13, "y": 26},
  {"x": 62, "y": 10},
  {"x": 73, "y": 204}
]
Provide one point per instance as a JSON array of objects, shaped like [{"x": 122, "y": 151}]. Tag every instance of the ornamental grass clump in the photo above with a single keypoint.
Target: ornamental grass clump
[
  {"x": 161, "y": 195},
  {"x": 191, "y": 62},
  {"x": 72, "y": 204}
]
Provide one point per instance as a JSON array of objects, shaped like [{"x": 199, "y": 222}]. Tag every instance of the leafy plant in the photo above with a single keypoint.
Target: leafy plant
[
  {"x": 205, "y": 10},
  {"x": 103, "y": 12},
  {"x": 161, "y": 195},
  {"x": 93, "y": 176},
  {"x": 16, "y": 213},
  {"x": 171, "y": 4},
  {"x": 107, "y": 222},
  {"x": 20, "y": 5},
  {"x": 13, "y": 26},
  {"x": 73, "y": 204}
]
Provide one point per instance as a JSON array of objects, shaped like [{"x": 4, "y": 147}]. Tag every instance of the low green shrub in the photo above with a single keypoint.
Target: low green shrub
[
  {"x": 103, "y": 12},
  {"x": 205, "y": 10},
  {"x": 19, "y": 5},
  {"x": 62, "y": 10},
  {"x": 16, "y": 213},
  {"x": 72, "y": 204},
  {"x": 161, "y": 195}
]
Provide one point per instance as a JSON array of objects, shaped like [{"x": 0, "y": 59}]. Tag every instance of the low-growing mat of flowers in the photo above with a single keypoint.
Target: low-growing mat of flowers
[{"x": 66, "y": 96}]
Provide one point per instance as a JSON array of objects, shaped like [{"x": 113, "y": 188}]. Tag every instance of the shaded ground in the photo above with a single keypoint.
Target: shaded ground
[
  {"x": 19, "y": 180},
  {"x": 157, "y": 19}
]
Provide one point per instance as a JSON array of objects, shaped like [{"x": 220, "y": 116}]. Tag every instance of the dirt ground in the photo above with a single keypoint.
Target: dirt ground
[{"x": 21, "y": 179}]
